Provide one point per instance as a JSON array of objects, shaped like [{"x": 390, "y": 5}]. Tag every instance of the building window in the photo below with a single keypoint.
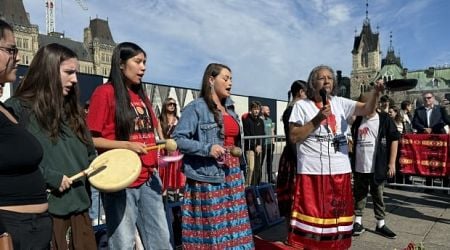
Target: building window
[
  {"x": 365, "y": 60},
  {"x": 25, "y": 43},
  {"x": 19, "y": 42}
]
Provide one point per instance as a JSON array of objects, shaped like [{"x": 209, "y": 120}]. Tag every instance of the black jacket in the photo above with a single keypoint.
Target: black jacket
[
  {"x": 438, "y": 119},
  {"x": 253, "y": 126},
  {"x": 387, "y": 133}
]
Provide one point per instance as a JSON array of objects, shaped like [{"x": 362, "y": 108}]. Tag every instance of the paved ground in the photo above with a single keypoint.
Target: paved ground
[{"x": 422, "y": 218}]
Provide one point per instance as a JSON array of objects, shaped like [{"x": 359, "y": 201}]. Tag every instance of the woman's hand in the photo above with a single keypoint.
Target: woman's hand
[
  {"x": 65, "y": 184},
  {"x": 137, "y": 147},
  {"x": 324, "y": 112},
  {"x": 379, "y": 86},
  {"x": 391, "y": 171},
  {"x": 216, "y": 151}
]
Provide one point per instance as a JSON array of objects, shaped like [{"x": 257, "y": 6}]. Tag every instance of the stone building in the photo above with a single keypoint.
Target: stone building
[
  {"x": 366, "y": 59},
  {"x": 368, "y": 65},
  {"x": 94, "y": 52}
]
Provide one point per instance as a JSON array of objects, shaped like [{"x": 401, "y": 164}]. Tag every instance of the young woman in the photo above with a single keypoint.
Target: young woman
[
  {"x": 121, "y": 116},
  {"x": 287, "y": 167},
  {"x": 168, "y": 118},
  {"x": 171, "y": 174},
  {"x": 47, "y": 101},
  {"x": 214, "y": 208},
  {"x": 23, "y": 201},
  {"x": 394, "y": 113}
]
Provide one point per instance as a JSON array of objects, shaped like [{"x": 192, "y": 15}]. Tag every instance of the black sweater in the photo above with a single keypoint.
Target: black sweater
[
  {"x": 253, "y": 126},
  {"x": 21, "y": 181}
]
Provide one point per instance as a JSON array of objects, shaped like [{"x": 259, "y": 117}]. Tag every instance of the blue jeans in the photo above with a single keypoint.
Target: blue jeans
[
  {"x": 140, "y": 207},
  {"x": 95, "y": 209}
]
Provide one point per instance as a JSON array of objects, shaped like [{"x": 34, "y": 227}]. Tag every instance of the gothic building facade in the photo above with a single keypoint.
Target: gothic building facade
[
  {"x": 366, "y": 61},
  {"x": 368, "y": 65},
  {"x": 94, "y": 52}
]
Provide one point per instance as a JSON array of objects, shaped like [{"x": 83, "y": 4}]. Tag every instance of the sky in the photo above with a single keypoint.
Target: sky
[{"x": 268, "y": 44}]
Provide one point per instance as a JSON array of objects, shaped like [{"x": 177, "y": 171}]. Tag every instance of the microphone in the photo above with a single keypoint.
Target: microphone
[{"x": 323, "y": 94}]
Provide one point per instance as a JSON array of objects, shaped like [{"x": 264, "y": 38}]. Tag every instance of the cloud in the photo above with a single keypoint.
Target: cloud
[{"x": 268, "y": 44}]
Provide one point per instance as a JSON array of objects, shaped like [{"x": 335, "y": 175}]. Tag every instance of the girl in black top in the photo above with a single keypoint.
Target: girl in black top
[
  {"x": 23, "y": 201},
  {"x": 287, "y": 168}
]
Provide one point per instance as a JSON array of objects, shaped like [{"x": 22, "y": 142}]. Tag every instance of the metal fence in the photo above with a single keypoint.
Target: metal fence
[{"x": 406, "y": 181}]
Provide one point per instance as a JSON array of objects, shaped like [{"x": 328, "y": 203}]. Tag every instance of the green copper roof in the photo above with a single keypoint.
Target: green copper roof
[{"x": 431, "y": 78}]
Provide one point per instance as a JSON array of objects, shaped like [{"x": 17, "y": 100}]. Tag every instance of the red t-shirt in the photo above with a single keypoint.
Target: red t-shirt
[{"x": 101, "y": 119}]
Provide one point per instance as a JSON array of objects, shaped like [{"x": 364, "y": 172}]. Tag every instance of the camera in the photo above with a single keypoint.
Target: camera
[{"x": 447, "y": 96}]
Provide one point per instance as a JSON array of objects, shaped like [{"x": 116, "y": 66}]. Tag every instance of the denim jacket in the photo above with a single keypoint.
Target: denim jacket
[{"x": 195, "y": 134}]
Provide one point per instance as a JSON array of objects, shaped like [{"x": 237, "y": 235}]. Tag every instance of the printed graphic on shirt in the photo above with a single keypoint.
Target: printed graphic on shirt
[
  {"x": 365, "y": 139},
  {"x": 142, "y": 123}
]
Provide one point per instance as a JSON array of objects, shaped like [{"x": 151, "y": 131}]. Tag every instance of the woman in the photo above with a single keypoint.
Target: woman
[
  {"x": 322, "y": 213},
  {"x": 170, "y": 172},
  {"x": 405, "y": 113},
  {"x": 23, "y": 201},
  {"x": 121, "y": 116},
  {"x": 168, "y": 118},
  {"x": 214, "y": 210},
  {"x": 394, "y": 113},
  {"x": 47, "y": 101},
  {"x": 288, "y": 160}
]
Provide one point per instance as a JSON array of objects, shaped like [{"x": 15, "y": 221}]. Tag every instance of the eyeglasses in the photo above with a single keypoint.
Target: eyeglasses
[
  {"x": 427, "y": 97},
  {"x": 10, "y": 50},
  {"x": 171, "y": 104}
]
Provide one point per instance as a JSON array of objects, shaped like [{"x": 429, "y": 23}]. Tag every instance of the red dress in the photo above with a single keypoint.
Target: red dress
[{"x": 170, "y": 172}]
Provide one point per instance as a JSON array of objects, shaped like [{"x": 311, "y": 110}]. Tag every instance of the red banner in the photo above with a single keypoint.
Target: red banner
[{"x": 425, "y": 154}]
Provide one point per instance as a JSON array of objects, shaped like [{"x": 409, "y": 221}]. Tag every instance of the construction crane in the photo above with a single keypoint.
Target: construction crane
[{"x": 50, "y": 19}]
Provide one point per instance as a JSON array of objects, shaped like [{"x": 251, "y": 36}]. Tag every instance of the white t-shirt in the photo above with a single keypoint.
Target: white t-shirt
[
  {"x": 366, "y": 144},
  {"x": 317, "y": 155}
]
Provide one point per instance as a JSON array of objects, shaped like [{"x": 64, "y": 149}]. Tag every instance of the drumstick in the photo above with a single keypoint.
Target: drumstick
[
  {"x": 89, "y": 170},
  {"x": 170, "y": 145},
  {"x": 236, "y": 151}
]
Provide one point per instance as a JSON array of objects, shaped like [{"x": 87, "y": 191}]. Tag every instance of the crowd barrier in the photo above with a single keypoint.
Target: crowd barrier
[
  {"x": 275, "y": 145},
  {"x": 423, "y": 160}
]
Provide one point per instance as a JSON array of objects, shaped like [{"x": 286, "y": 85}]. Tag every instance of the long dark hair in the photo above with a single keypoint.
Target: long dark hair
[
  {"x": 124, "y": 113},
  {"x": 398, "y": 118},
  {"x": 41, "y": 89},
  {"x": 163, "y": 116},
  {"x": 311, "y": 91},
  {"x": 213, "y": 69},
  {"x": 296, "y": 86}
]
